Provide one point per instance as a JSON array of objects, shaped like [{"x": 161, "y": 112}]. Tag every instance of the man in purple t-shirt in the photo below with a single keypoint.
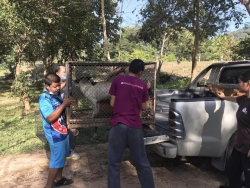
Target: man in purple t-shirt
[{"x": 128, "y": 97}]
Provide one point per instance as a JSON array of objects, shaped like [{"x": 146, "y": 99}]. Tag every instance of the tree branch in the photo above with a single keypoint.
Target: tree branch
[
  {"x": 208, "y": 17},
  {"x": 246, "y": 3}
]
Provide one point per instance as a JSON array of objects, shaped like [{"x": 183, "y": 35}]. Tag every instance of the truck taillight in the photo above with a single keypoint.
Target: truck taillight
[
  {"x": 171, "y": 115},
  {"x": 171, "y": 123},
  {"x": 176, "y": 126},
  {"x": 173, "y": 137}
]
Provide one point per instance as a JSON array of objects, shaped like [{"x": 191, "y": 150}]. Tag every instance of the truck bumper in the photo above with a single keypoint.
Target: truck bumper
[
  {"x": 155, "y": 139},
  {"x": 165, "y": 149}
]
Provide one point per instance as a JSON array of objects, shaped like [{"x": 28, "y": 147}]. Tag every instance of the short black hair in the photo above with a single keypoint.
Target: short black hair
[
  {"x": 136, "y": 66},
  {"x": 245, "y": 76},
  {"x": 57, "y": 68},
  {"x": 50, "y": 78}
]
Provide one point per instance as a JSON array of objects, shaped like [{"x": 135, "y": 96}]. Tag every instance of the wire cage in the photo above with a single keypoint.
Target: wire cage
[
  {"x": 39, "y": 127},
  {"x": 89, "y": 84}
]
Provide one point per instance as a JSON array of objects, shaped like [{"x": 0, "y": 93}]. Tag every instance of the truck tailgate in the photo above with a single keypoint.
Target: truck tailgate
[
  {"x": 161, "y": 121},
  {"x": 153, "y": 136}
]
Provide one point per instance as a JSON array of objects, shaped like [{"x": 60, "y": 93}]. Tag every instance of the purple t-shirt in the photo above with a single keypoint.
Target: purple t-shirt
[{"x": 130, "y": 92}]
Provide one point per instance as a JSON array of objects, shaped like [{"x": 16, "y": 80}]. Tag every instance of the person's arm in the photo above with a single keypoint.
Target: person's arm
[
  {"x": 149, "y": 85},
  {"x": 145, "y": 97},
  {"x": 112, "y": 101},
  {"x": 143, "y": 106},
  {"x": 228, "y": 98},
  {"x": 112, "y": 92},
  {"x": 73, "y": 92},
  {"x": 115, "y": 72},
  {"x": 55, "y": 114}
]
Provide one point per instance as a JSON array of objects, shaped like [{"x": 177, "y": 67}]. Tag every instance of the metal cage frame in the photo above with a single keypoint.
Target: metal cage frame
[{"x": 78, "y": 118}]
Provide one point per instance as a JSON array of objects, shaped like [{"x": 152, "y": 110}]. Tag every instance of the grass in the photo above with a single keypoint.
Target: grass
[
  {"x": 183, "y": 69},
  {"x": 17, "y": 129},
  {"x": 175, "y": 84},
  {"x": 17, "y": 133},
  {"x": 167, "y": 82}
]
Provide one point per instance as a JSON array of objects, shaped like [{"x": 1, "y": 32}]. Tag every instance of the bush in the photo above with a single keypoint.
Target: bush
[
  {"x": 170, "y": 57},
  {"x": 166, "y": 82},
  {"x": 163, "y": 78}
]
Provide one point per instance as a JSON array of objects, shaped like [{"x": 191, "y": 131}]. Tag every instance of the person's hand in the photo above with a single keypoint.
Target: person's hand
[
  {"x": 248, "y": 155},
  {"x": 75, "y": 132},
  {"x": 148, "y": 84},
  {"x": 75, "y": 101},
  {"x": 69, "y": 101},
  {"x": 220, "y": 94}
]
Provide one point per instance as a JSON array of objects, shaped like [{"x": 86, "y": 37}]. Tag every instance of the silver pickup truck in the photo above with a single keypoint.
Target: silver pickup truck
[{"x": 196, "y": 121}]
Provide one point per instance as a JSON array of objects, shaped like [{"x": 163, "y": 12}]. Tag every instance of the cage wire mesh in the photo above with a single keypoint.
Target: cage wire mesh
[{"x": 89, "y": 84}]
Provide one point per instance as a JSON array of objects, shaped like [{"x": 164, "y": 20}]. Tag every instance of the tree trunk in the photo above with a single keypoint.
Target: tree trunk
[
  {"x": 246, "y": 3},
  {"x": 45, "y": 55},
  {"x": 196, "y": 39},
  {"x": 51, "y": 64},
  {"x": 72, "y": 54},
  {"x": 161, "y": 53},
  {"x": 26, "y": 102},
  {"x": 46, "y": 65},
  {"x": 18, "y": 68},
  {"x": 120, "y": 40},
  {"x": 164, "y": 39},
  {"x": 21, "y": 47},
  {"x": 18, "y": 62},
  {"x": 106, "y": 42}
]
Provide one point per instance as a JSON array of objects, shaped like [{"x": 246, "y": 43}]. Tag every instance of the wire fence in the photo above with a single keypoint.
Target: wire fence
[{"x": 89, "y": 84}]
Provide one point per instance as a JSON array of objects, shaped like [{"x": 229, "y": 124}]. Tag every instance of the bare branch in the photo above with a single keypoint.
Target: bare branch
[{"x": 246, "y": 3}]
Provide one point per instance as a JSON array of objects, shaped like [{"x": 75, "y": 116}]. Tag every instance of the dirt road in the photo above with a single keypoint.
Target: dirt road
[{"x": 30, "y": 170}]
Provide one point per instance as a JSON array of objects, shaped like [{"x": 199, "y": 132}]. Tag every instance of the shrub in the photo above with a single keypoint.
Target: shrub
[{"x": 166, "y": 82}]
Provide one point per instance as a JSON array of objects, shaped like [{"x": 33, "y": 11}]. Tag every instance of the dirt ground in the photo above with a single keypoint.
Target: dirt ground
[{"x": 30, "y": 170}]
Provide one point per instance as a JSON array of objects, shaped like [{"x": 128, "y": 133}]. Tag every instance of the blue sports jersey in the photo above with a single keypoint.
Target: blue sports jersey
[{"x": 57, "y": 130}]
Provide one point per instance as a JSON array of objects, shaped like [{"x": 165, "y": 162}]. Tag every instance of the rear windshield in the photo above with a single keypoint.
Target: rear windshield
[{"x": 230, "y": 75}]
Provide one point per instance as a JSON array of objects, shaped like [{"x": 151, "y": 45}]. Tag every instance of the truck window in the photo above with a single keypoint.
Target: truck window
[
  {"x": 230, "y": 75},
  {"x": 205, "y": 78}
]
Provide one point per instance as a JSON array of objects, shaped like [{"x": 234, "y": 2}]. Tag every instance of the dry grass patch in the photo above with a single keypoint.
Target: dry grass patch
[{"x": 183, "y": 69}]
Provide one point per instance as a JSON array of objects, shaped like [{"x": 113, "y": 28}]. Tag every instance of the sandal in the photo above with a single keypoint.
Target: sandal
[{"x": 63, "y": 181}]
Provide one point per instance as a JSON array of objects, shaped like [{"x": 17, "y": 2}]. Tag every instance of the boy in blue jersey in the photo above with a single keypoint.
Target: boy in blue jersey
[
  {"x": 61, "y": 72},
  {"x": 51, "y": 108}
]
